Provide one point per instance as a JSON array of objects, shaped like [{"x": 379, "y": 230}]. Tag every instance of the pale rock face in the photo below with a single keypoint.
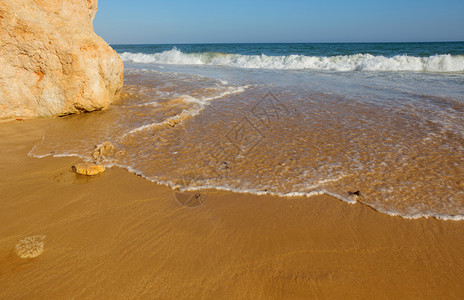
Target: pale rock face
[{"x": 52, "y": 62}]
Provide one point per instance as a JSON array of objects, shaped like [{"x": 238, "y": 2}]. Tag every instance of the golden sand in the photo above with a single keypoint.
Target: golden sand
[{"x": 116, "y": 235}]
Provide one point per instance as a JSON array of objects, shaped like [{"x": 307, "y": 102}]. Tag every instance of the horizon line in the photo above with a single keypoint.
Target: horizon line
[{"x": 225, "y": 43}]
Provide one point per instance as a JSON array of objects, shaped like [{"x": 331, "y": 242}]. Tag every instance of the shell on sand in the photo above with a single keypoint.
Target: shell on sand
[
  {"x": 30, "y": 247},
  {"x": 89, "y": 169}
]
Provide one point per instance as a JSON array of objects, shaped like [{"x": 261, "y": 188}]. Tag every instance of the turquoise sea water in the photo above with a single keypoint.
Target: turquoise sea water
[
  {"x": 377, "y": 123},
  {"x": 319, "y": 49}
]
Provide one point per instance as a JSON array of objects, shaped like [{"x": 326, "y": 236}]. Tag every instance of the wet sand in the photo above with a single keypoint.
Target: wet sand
[{"x": 117, "y": 235}]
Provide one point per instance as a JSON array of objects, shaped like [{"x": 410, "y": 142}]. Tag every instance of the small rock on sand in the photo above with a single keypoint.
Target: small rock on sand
[{"x": 89, "y": 169}]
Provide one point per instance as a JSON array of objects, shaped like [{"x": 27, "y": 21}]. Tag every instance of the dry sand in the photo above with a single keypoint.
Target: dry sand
[{"x": 117, "y": 235}]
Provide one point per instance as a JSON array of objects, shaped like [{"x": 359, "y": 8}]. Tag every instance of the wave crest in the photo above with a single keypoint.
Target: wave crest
[{"x": 358, "y": 62}]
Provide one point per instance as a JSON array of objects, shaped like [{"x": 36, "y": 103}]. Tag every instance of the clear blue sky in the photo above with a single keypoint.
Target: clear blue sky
[{"x": 187, "y": 21}]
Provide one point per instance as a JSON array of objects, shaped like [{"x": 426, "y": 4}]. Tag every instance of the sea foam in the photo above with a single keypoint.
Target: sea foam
[{"x": 358, "y": 62}]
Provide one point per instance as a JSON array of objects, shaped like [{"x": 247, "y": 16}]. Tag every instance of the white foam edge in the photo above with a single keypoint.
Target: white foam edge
[
  {"x": 173, "y": 186},
  {"x": 441, "y": 63}
]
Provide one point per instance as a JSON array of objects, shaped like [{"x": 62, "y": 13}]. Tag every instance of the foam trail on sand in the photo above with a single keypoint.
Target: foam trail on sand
[{"x": 195, "y": 109}]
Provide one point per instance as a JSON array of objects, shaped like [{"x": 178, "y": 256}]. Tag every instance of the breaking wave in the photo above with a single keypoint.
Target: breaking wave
[{"x": 358, "y": 62}]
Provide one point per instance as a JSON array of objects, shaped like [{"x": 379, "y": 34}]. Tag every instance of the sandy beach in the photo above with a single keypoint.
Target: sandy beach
[
  {"x": 117, "y": 235},
  {"x": 261, "y": 150}
]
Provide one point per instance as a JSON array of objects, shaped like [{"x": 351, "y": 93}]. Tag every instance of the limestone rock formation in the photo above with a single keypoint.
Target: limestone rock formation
[{"x": 52, "y": 62}]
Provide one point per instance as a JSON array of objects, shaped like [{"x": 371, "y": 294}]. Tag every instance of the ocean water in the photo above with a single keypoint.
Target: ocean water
[{"x": 376, "y": 123}]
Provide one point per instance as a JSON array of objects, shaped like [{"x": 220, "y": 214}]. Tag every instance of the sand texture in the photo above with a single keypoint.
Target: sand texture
[{"x": 116, "y": 235}]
